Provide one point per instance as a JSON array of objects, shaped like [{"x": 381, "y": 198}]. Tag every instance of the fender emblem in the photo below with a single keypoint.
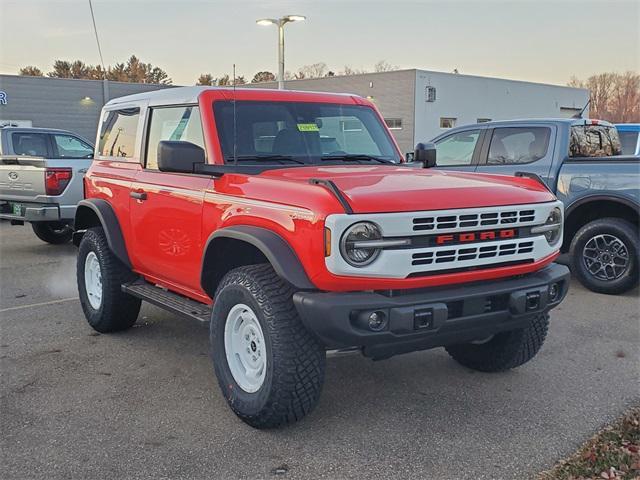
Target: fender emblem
[{"x": 13, "y": 175}]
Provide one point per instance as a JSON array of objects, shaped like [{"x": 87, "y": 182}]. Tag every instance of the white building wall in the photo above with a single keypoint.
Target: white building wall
[{"x": 468, "y": 98}]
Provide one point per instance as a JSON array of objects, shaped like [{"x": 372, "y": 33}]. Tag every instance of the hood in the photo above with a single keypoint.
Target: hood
[{"x": 383, "y": 189}]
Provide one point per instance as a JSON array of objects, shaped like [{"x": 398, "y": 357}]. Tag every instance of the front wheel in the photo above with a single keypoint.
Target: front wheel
[
  {"x": 100, "y": 276},
  {"x": 604, "y": 255},
  {"x": 55, "y": 233},
  {"x": 269, "y": 367},
  {"x": 504, "y": 350}
]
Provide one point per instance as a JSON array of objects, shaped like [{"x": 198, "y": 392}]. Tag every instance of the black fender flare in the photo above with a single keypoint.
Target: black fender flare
[
  {"x": 277, "y": 250},
  {"x": 601, "y": 197},
  {"x": 109, "y": 222}
]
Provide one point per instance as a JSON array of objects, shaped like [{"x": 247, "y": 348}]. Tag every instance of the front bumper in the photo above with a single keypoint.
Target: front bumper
[
  {"x": 30, "y": 212},
  {"x": 428, "y": 318}
]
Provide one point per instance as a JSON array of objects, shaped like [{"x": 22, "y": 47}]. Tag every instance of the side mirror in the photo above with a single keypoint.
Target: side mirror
[
  {"x": 179, "y": 157},
  {"x": 425, "y": 153}
]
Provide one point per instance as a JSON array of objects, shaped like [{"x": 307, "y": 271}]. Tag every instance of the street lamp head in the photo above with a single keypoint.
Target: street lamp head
[
  {"x": 295, "y": 18},
  {"x": 267, "y": 21}
]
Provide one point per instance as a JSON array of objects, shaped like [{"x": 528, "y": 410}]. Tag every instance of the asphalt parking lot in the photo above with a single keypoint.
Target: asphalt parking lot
[{"x": 144, "y": 403}]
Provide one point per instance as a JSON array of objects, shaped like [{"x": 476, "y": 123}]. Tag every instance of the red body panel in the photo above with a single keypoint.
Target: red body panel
[{"x": 166, "y": 234}]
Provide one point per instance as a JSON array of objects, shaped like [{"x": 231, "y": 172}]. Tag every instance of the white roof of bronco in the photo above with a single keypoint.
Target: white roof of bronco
[{"x": 182, "y": 95}]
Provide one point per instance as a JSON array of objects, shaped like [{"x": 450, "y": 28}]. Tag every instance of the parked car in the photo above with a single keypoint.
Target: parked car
[
  {"x": 291, "y": 250},
  {"x": 41, "y": 172},
  {"x": 580, "y": 161},
  {"x": 629, "y": 138}
]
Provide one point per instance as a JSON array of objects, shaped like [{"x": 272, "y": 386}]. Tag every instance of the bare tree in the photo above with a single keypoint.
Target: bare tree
[
  {"x": 384, "y": 66},
  {"x": 314, "y": 70},
  {"x": 614, "y": 97},
  {"x": 348, "y": 70},
  {"x": 31, "y": 71}
]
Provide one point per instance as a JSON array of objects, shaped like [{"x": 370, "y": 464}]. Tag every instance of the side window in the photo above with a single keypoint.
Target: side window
[
  {"x": 516, "y": 145},
  {"x": 72, "y": 147},
  {"x": 32, "y": 144},
  {"x": 118, "y": 133},
  {"x": 172, "y": 123},
  {"x": 457, "y": 149}
]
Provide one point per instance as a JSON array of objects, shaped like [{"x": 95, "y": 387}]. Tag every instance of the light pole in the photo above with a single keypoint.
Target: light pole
[{"x": 280, "y": 23}]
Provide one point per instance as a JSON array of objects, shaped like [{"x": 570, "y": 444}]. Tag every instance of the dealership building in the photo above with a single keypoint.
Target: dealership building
[{"x": 416, "y": 104}]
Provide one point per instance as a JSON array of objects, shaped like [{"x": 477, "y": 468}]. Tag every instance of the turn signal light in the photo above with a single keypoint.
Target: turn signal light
[
  {"x": 327, "y": 242},
  {"x": 56, "y": 180}
]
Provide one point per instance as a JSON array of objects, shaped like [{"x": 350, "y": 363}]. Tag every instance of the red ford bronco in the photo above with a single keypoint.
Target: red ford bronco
[{"x": 288, "y": 221}]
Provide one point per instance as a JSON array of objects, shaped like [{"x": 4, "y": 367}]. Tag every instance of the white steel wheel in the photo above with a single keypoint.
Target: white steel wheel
[
  {"x": 93, "y": 280},
  {"x": 245, "y": 348}
]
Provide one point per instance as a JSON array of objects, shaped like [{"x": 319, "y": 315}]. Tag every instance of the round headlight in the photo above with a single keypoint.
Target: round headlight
[
  {"x": 552, "y": 227},
  {"x": 353, "y": 244}
]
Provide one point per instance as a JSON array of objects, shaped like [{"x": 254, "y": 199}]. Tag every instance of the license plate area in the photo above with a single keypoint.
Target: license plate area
[{"x": 17, "y": 209}]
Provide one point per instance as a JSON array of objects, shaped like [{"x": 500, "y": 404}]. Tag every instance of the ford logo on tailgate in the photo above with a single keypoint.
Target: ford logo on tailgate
[{"x": 13, "y": 175}]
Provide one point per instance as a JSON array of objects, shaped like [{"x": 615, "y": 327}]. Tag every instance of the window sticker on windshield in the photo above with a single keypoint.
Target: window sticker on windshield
[{"x": 308, "y": 127}]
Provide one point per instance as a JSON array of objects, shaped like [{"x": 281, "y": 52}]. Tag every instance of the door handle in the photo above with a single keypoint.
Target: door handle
[{"x": 138, "y": 195}]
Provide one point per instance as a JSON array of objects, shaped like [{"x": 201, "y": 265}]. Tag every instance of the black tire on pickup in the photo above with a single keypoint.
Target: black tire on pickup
[
  {"x": 115, "y": 310},
  {"x": 55, "y": 233},
  {"x": 604, "y": 255},
  {"x": 505, "y": 350},
  {"x": 255, "y": 300}
]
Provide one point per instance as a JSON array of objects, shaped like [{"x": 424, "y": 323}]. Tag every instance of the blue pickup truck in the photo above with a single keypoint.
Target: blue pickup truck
[{"x": 581, "y": 161}]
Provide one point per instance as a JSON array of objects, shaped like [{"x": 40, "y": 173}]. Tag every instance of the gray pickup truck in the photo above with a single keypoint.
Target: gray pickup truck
[
  {"x": 41, "y": 172},
  {"x": 580, "y": 160}
]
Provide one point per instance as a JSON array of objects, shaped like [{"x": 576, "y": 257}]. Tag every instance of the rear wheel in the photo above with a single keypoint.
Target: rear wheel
[
  {"x": 55, "y": 233},
  {"x": 269, "y": 367},
  {"x": 604, "y": 255},
  {"x": 504, "y": 350},
  {"x": 100, "y": 276}
]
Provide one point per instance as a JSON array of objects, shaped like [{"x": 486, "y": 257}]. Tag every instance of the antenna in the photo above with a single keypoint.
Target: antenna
[
  {"x": 95, "y": 30},
  {"x": 579, "y": 115},
  {"x": 235, "y": 130}
]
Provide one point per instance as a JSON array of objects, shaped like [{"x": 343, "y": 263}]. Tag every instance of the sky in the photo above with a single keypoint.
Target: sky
[{"x": 543, "y": 40}]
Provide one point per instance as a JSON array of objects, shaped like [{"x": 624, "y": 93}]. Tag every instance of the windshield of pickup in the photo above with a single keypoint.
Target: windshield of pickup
[
  {"x": 301, "y": 132},
  {"x": 594, "y": 141}
]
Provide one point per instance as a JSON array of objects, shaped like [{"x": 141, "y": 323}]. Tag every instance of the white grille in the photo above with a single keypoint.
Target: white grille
[
  {"x": 464, "y": 253},
  {"x": 486, "y": 219},
  {"x": 423, "y": 260}
]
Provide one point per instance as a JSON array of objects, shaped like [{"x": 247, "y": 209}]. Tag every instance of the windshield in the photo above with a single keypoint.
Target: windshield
[{"x": 297, "y": 132}]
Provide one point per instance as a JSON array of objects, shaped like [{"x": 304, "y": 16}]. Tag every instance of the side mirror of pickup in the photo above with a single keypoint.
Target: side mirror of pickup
[
  {"x": 425, "y": 153},
  {"x": 179, "y": 157}
]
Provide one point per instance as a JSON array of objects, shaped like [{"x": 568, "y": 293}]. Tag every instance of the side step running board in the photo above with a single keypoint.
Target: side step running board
[{"x": 170, "y": 301}]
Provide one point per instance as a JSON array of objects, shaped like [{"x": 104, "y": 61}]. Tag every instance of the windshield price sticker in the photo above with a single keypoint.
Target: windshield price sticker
[{"x": 308, "y": 127}]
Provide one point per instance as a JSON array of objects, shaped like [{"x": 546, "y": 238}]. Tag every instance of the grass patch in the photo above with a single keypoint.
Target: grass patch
[{"x": 613, "y": 453}]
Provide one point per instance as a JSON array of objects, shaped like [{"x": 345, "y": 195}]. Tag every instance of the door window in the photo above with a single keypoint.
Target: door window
[
  {"x": 457, "y": 149},
  {"x": 516, "y": 145},
  {"x": 31, "y": 144},
  {"x": 72, "y": 147},
  {"x": 118, "y": 133},
  {"x": 172, "y": 123}
]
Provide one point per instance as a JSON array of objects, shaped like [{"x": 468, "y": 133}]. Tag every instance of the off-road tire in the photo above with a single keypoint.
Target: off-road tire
[
  {"x": 505, "y": 350},
  {"x": 55, "y": 233},
  {"x": 118, "y": 310},
  {"x": 295, "y": 359},
  {"x": 627, "y": 233}
]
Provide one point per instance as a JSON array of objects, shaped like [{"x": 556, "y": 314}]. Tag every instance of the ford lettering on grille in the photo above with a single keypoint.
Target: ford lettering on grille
[{"x": 466, "y": 237}]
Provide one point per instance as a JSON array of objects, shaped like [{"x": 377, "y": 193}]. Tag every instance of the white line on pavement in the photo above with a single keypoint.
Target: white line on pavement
[{"x": 52, "y": 302}]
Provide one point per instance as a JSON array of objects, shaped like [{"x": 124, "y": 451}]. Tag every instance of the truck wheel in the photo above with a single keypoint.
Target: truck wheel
[
  {"x": 604, "y": 255},
  {"x": 55, "y": 233},
  {"x": 100, "y": 276},
  {"x": 504, "y": 350},
  {"x": 269, "y": 367}
]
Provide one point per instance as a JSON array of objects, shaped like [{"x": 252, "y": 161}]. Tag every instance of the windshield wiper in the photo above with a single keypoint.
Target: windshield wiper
[
  {"x": 350, "y": 157},
  {"x": 274, "y": 157}
]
